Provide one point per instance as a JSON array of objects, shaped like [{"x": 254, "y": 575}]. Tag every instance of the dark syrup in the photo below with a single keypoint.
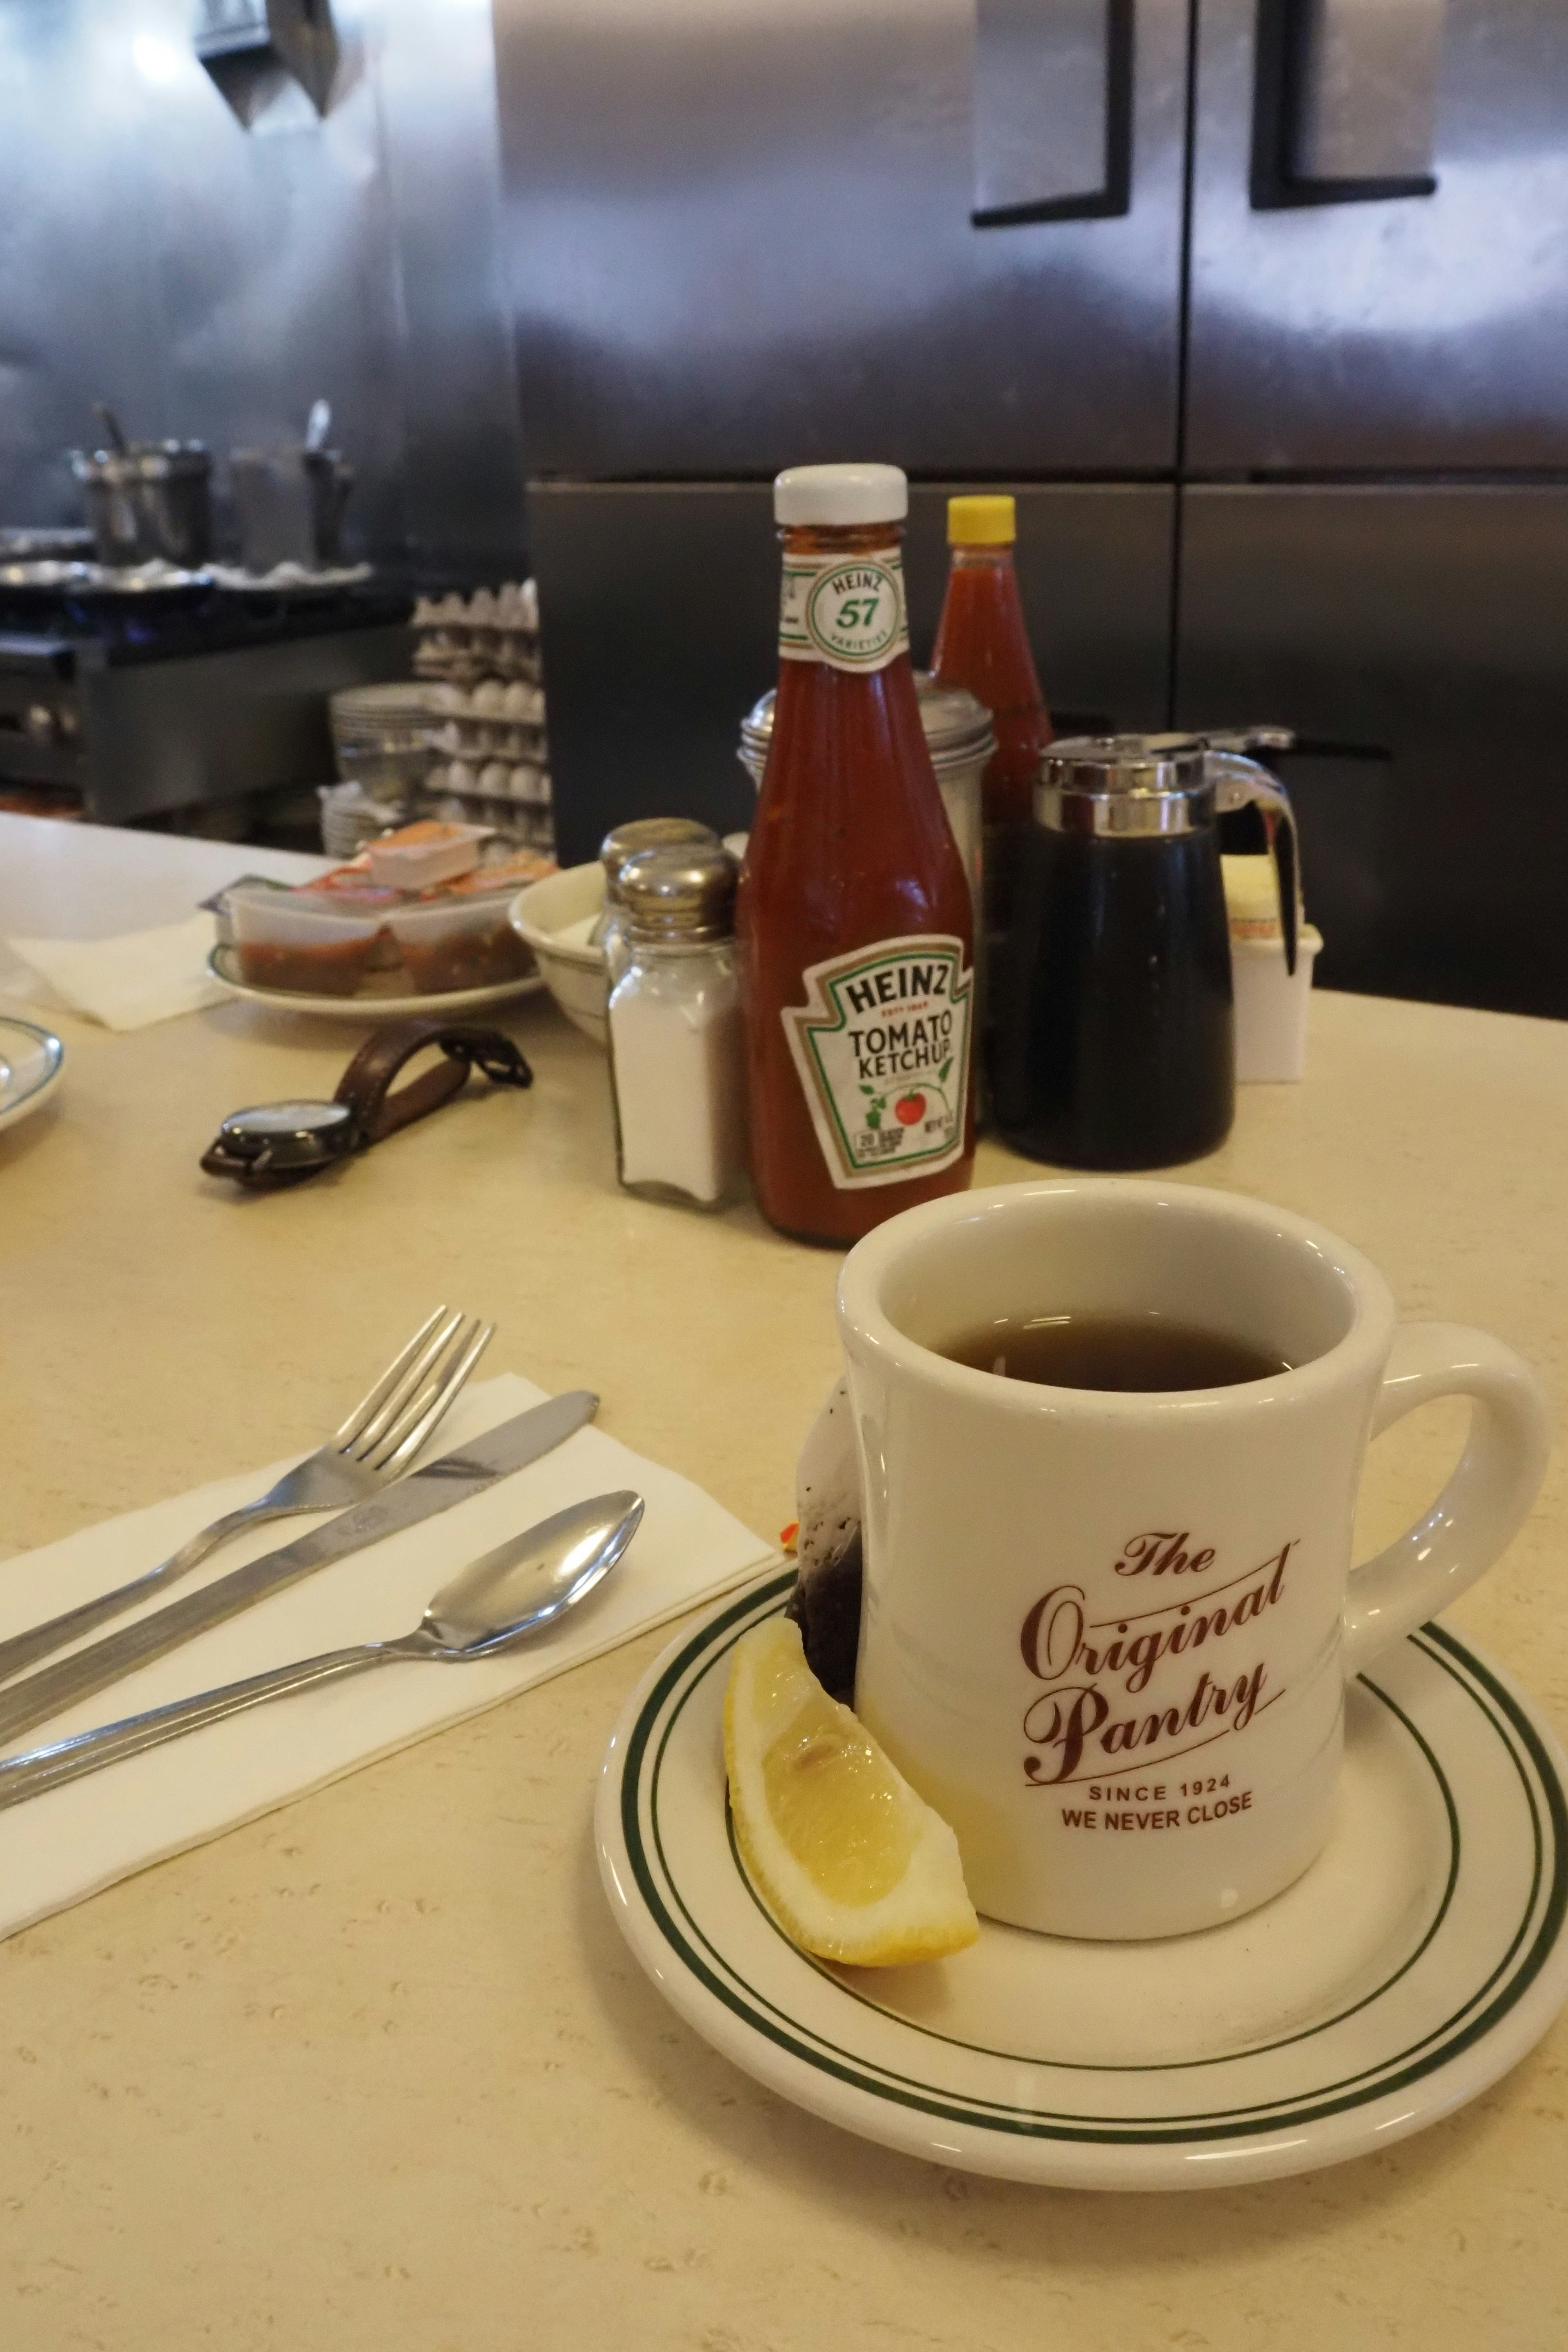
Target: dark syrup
[{"x": 1140, "y": 1353}]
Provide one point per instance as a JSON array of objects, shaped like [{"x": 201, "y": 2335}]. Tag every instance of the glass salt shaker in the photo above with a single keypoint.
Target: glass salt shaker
[
  {"x": 676, "y": 1063},
  {"x": 622, "y": 842}
]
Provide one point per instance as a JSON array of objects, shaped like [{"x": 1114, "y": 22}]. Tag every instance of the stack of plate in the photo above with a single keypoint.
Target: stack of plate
[
  {"x": 350, "y": 818},
  {"x": 380, "y": 738}
]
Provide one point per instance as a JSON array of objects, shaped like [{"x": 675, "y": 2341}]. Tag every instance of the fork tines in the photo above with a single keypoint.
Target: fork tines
[{"x": 386, "y": 1429}]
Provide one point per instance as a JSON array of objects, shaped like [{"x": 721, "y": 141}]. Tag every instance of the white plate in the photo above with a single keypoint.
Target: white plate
[
  {"x": 1420, "y": 1957},
  {"x": 31, "y": 1060},
  {"x": 376, "y": 1009}
]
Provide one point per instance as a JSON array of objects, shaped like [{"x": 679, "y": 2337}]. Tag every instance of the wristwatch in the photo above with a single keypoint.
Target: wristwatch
[{"x": 281, "y": 1143}]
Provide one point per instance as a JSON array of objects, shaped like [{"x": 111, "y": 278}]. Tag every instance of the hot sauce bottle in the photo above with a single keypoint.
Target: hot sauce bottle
[
  {"x": 853, "y": 922},
  {"x": 982, "y": 643}
]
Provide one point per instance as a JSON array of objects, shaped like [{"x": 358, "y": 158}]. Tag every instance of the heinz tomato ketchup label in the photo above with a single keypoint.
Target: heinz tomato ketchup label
[{"x": 881, "y": 1049}]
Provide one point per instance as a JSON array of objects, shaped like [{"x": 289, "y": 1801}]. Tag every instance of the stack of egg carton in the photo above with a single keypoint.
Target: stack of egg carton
[{"x": 479, "y": 658}]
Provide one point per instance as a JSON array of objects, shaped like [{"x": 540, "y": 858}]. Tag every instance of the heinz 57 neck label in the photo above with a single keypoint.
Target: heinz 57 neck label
[
  {"x": 881, "y": 1049},
  {"x": 844, "y": 610}
]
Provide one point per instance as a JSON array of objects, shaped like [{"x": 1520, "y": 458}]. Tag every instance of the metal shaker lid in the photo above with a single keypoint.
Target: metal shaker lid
[
  {"x": 623, "y": 841},
  {"x": 680, "y": 891},
  {"x": 957, "y": 728},
  {"x": 1125, "y": 785}
]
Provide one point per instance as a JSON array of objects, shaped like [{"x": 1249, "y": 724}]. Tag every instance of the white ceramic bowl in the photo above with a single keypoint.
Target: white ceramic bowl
[{"x": 568, "y": 903}]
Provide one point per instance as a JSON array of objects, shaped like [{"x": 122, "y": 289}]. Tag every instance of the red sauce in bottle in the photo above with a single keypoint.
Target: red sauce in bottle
[
  {"x": 852, "y": 920},
  {"x": 982, "y": 643}
]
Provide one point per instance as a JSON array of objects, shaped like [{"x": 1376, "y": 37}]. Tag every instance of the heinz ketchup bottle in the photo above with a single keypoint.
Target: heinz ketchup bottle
[{"x": 853, "y": 922}]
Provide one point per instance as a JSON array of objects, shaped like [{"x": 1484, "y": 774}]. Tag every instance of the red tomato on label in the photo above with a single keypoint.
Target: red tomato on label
[{"x": 908, "y": 1108}]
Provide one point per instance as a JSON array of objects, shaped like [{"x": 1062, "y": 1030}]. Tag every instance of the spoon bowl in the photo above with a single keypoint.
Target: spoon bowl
[{"x": 530, "y": 1579}]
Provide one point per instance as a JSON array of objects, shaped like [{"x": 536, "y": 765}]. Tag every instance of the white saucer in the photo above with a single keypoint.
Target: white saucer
[
  {"x": 373, "y": 1009},
  {"x": 1420, "y": 1957},
  {"x": 31, "y": 1061}
]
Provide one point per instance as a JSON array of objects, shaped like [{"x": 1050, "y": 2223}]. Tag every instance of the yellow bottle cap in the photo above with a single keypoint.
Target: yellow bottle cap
[{"x": 981, "y": 521}]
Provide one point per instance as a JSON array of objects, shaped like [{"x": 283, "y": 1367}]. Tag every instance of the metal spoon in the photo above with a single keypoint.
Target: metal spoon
[{"x": 499, "y": 1600}]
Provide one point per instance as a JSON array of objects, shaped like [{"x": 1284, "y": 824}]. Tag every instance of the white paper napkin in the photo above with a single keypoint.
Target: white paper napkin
[
  {"x": 132, "y": 981},
  {"x": 57, "y": 1849}
]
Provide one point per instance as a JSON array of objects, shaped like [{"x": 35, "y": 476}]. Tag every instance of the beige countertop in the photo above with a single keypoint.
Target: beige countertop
[{"x": 377, "y": 2073}]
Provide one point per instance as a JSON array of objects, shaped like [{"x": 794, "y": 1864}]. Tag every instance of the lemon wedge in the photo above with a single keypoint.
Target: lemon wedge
[{"x": 853, "y": 1865}]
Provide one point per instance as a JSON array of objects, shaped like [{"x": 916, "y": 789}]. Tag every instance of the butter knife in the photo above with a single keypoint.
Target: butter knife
[{"x": 467, "y": 1471}]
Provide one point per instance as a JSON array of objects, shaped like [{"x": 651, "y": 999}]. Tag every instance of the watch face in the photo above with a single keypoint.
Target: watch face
[
  {"x": 288, "y": 1119},
  {"x": 291, "y": 1134}
]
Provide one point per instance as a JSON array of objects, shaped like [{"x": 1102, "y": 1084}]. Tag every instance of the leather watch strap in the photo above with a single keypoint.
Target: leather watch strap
[
  {"x": 283, "y": 1144},
  {"x": 464, "y": 1046}
]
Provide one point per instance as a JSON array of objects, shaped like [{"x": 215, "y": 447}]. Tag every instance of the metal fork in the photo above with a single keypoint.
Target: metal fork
[{"x": 375, "y": 1444}]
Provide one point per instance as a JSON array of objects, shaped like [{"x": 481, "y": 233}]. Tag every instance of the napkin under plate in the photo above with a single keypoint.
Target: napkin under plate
[
  {"x": 132, "y": 981},
  {"x": 57, "y": 1849}
]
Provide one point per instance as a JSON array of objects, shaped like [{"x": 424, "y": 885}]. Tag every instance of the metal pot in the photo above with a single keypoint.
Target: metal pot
[
  {"x": 291, "y": 506},
  {"x": 151, "y": 502}
]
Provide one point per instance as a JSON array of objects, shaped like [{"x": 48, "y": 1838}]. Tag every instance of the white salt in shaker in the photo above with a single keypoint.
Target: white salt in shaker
[{"x": 676, "y": 1063}]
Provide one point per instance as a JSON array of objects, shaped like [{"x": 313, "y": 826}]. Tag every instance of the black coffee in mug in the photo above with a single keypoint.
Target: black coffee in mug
[{"x": 1142, "y": 1353}]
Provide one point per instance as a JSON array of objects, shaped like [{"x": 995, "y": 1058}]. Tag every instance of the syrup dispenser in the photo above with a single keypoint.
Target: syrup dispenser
[{"x": 1114, "y": 1026}]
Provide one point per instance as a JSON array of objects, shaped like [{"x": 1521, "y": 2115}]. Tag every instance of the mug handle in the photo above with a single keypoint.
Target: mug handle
[{"x": 1483, "y": 1503}]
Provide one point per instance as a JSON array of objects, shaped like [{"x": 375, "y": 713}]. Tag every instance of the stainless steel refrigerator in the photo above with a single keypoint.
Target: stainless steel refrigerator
[{"x": 1262, "y": 307}]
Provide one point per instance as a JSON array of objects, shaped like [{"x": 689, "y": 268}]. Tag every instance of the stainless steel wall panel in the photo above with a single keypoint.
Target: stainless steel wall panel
[
  {"x": 1416, "y": 637},
  {"x": 1423, "y": 331},
  {"x": 1052, "y": 109},
  {"x": 212, "y": 280},
  {"x": 739, "y": 236},
  {"x": 463, "y": 459},
  {"x": 659, "y": 610},
  {"x": 1368, "y": 89}
]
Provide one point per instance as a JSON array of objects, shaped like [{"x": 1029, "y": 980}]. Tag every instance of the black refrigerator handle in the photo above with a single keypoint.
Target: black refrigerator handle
[
  {"x": 1053, "y": 110},
  {"x": 1345, "y": 101}
]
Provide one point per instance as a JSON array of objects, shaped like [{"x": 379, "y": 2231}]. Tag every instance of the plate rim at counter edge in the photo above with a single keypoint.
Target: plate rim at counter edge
[
  {"x": 833, "y": 2081},
  {"x": 12, "y": 1113},
  {"x": 373, "y": 1010}
]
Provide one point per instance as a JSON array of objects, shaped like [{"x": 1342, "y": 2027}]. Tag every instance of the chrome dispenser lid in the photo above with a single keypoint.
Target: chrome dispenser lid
[
  {"x": 1125, "y": 785},
  {"x": 958, "y": 729},
  {"x": 680, "y": 891}
]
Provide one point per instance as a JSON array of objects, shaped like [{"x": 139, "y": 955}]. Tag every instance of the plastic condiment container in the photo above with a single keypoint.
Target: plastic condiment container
[
  {"x": 464, "y": 941},
  {"x": 309, "y": 943},
  {"x": 422, "y": 855},
  {"x": 1270, "y": 1002},
  {"x": 677, "y": 1056}
]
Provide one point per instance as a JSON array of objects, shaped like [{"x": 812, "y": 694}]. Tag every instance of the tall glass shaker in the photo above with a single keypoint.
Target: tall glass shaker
[{"x": 1114, "y": 1033}]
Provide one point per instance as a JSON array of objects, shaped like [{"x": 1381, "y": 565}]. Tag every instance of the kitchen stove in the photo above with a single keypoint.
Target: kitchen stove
[{"x": 136, "y": 695}]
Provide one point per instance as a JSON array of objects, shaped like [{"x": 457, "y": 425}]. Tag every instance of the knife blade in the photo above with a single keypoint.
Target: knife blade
[{"x": 511, "y": 1445}]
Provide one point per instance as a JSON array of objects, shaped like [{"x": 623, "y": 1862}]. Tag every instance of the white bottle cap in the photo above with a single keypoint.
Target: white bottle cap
[{"x": 840, "y": 494}]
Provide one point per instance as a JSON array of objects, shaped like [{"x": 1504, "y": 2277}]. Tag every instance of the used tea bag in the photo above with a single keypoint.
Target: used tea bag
[{"x": 825, "y": 1602}]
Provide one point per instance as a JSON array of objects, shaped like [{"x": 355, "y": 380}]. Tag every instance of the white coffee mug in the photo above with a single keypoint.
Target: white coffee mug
[{"x": 1107, "y": 1634}]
